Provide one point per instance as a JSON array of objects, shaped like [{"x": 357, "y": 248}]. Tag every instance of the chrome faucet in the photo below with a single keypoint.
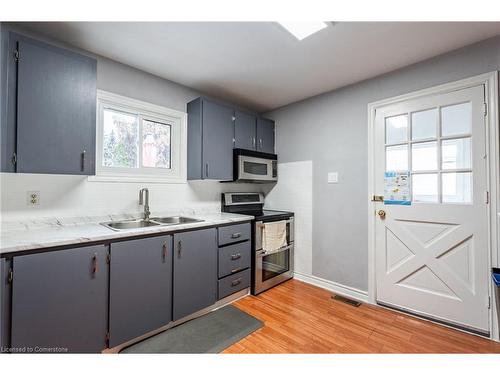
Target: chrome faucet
[{"x": 144, "y": 200}]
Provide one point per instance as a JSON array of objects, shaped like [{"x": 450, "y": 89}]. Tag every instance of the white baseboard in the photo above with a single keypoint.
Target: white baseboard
[{"x": 337, "y": 288}]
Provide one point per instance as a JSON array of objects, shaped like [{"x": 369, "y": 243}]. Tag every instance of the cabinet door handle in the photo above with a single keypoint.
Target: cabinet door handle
[
  {"x": 82, "y": 167},
  {"x": 236, "y": 235},
  {"x": 236, "y": 282},
  {"x": 260, "y": 144},
  {"x": 236, "y": 270},
  {"x": 253, "y": 142},
  {"x": 235, "y": 256},
  {"x": 164, "y": 252},
  {"x": 95, "y": 265},
  {"x": 206, "y": 169},
  {"x": 179, "y": 248}
]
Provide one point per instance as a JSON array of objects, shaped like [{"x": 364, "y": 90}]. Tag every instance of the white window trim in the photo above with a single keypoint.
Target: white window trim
[{"x": 178, "y": 120}]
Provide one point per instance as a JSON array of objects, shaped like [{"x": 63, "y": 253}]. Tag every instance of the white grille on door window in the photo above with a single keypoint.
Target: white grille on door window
[{"x": 435, "y": 146}]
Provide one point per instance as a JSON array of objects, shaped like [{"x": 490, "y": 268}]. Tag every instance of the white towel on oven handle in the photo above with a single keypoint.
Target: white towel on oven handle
[{"x": 274, "y": 236}]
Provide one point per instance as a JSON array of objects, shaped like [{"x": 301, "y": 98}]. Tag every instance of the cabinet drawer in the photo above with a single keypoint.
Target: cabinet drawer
[
  {"x": 234, "y": 283},
  {"x": 234, "y": 233},
  {"x": 234, "y": 258}
]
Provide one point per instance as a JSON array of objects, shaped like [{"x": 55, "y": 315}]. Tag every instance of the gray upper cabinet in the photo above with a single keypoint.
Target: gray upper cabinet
[
  {"x": 253, "y": 133},
  {"x": 60, "y": 300},
  {"x": 210, "y": 140},
  {"x": 140, "y": 296},
  {"x": 195, "y": 271},
  {"x": 51, "y": 109},
  {"x": 265, "y": 135},
  {"x": 245, "y": 130},
  {"x": 214, "y": 129}
]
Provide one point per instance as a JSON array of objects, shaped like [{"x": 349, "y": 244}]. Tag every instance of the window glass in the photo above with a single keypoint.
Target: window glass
[
  {"x": 396, "y": 129},
  {"x": 155, "y": 144},
  {"x": 456, "y": 119},
  {"x": 396, "y": 158},
  {"x": 424, "y": 156},
  {"x": 424, "y": 124},
  {"x": 425, "y": 187},
  {"x": 457, "y": 187},
  {"x": 120, "y": 139},
  {"x": 456, "y": 153}
]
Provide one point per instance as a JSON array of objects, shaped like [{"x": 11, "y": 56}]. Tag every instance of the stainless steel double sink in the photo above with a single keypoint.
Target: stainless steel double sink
[{"x": 152, "y": 222}]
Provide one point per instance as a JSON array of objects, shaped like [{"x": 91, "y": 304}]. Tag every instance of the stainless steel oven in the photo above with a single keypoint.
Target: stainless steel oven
[
  {"x": 276, "y": 267},
  {"x": 268, "y": 268},
  {"x": 253, "y": 166}
]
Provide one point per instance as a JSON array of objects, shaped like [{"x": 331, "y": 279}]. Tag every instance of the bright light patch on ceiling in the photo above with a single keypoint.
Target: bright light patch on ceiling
[{"x": 302, "y": 30}]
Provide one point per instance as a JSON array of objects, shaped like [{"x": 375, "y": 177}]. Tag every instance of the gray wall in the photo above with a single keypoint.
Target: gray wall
[{"x": 331, "y": 131}]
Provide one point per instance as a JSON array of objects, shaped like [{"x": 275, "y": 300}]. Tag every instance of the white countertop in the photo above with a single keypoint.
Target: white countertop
[{"x": 32, "y": 235}]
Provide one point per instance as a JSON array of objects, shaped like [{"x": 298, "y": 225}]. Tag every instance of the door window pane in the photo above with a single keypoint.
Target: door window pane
[
  {"x": 396, "y": 158},
  {"x": 120, "y": 140},
  {"x": 155, "y": 144},
  {"x": 457, "y": 187},
  {"x": 456, "y": 153},
  {"x": 424, "y": 124},
  {"x": 456, "y": 119},
  {"x": 396, "y": 129},
  {"x": 425, "y": 187},
  {"x": 424, "y": 156}
]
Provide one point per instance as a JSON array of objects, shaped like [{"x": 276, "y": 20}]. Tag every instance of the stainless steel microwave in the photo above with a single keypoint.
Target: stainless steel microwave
[{"x": 254, "y": 166}]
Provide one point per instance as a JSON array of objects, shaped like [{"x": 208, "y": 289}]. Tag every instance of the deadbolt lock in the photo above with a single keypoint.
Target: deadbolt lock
[{"x": 381, "y": 213}]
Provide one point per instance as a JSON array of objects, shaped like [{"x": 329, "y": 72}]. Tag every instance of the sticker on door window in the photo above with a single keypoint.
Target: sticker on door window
[{"x": 397, "y": 188}]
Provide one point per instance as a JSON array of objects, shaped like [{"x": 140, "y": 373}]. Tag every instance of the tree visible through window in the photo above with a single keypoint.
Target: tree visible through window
[
  {"x": 155, "y": 144},
  {"x": 120, "y": 140},
  {"x": 139, "y": 141},
  {"x": 121, "y": 146}
]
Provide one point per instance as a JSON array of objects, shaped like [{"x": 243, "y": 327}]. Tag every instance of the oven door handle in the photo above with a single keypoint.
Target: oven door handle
[
  {"x": 262, "y": 226},
  {"x": 263, "y": 253}
]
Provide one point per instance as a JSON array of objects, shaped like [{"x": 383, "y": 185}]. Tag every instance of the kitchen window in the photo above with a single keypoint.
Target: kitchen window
[{"x": 139, "y": 141}]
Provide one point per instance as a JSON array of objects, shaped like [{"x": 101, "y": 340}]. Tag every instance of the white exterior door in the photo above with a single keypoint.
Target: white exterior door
[{"x": 432, "y": 256}]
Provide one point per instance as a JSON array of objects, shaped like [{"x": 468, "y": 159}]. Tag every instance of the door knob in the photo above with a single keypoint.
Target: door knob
[{"x": 381, "y": 213}]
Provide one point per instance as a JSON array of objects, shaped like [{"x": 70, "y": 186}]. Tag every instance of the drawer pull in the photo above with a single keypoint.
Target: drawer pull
[
  {"x": 235, "y": 256},
  {"x": 236, "y": 235},
  {"x": 236, "y": 270},
  {"x": 236, "y": 282}
]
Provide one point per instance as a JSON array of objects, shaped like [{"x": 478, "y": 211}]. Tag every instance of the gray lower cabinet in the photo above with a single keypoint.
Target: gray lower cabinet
[
  {"x": 60, "y": 300},
  {"x": 140, "y": 297},
  {"x": 195, "y": 271},
  {"x": 234, "y": 283},
  {"x": 51, "y": 109},
  {"x": 234, "y": 258},
  {"x": 4, "y": 304},
  {"x": 265, "y": 135},
  {"x": 234, "y": 233}
]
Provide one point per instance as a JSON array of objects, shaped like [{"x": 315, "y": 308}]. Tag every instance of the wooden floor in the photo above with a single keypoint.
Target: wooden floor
[{"x": 301, "y": 318}]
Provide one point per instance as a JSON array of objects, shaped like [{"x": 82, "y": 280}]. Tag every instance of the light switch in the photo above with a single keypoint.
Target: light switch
[{"x": 333, "y": 177}]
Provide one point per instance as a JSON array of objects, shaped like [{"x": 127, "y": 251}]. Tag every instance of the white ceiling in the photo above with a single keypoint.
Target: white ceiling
[{"x": 260, "y": 65}]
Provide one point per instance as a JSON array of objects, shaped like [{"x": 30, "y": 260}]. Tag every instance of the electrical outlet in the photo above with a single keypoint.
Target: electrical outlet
[{"x": 33, "y": 198}]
